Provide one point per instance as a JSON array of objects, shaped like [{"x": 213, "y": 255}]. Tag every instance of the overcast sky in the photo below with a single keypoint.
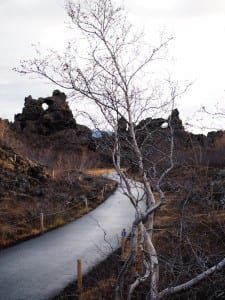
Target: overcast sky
[{"x": 198, "y": 49}]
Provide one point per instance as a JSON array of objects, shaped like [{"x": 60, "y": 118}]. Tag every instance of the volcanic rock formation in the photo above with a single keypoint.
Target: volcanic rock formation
[{"x": 36, "y": 119}]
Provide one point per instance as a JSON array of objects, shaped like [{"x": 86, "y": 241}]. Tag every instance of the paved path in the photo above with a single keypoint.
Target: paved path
[{"x": 41, "y": 267}]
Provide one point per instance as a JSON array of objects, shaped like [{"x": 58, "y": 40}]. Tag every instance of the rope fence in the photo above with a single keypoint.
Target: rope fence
[{"x": 49, "y": 220}]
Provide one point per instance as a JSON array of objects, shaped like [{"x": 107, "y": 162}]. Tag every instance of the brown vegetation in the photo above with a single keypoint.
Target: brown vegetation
[
  {"x": 189, "y": 237},
  {"x": 28, "y": 189}
]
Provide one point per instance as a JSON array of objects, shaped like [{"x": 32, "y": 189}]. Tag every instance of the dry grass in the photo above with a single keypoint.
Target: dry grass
[
  {"x": 203, "y": 230},
  {"x": 99, "y": 291},
  {"x": 99, "y": 171},
  {"x": 20, "y": 212}
]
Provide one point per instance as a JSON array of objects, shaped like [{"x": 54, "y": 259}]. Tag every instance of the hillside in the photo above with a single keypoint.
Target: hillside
[{"x": 28, "y": 189}]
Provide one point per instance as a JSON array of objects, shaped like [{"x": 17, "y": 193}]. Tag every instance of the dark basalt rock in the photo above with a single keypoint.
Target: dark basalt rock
[
  {"x": 212, "y": 136},
  {"x": 150, "y": 124},
  {"x": 175, "y": 120},
  {"x": 157, "y": 124},
  {"x": 122, "y": 125},
  {"x": 218, "y": 188},
  {"x": 35, "y": 119},
  {"x": 49, "y": 123}
]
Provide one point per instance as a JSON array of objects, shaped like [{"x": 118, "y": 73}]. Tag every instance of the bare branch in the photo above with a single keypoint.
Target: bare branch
[{"x": 187, "y": 285}]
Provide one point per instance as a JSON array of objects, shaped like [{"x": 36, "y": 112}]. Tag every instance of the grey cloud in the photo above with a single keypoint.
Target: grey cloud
[
  {"x": 33, "y": 10},
  {"x": 176, "y": 8},
  {"x": 23, "y": 22},
  {"x": 193, "y": 8}
]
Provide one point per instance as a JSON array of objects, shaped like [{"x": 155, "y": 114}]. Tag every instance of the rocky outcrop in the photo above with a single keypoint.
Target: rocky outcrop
[
  {"x": 175, "y": 120},
  {"x": 49, "y": 123},
  {"x": 157, "y": 128},
  {"x": 122, "y": 125},
  {"x": 150, "y": 124},
  {"x": 214, "y": 137},
  {"x": 19, "y": 175},
  {"x": 56, "y": 120},
  {"x": 45, "y": 116},
  {"x": 160, "y": 124},
  {"x": 218, "y": 189}
]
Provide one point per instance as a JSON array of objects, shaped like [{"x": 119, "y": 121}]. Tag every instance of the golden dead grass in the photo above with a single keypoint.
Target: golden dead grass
[
  {"x": 22, "y": 218},
  {"x": 99, "y": 171},
  {"x": 165, "y": 238},
  {"x": 103, "y": 287}
]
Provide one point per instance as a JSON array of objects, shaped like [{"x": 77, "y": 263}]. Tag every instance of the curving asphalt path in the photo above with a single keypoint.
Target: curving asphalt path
[{"x": 40, "y": 268}]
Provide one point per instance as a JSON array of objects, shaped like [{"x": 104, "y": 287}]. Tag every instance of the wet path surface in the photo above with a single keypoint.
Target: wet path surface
[{"x": 41, "y": 267}]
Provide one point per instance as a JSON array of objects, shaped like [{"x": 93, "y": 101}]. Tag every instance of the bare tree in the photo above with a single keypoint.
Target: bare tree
[{"x": 112, "y": 66}]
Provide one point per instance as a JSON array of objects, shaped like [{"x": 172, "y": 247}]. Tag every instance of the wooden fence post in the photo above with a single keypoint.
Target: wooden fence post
[
  {"x": 79, "y": 275},
  {"x": 85, "y": 199},
  {"x": 86, "y": 203},
  {"x": 42, "y": 222},
  {"x": 123, "y": 241},
  {"x": 103, "y": 191}
]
